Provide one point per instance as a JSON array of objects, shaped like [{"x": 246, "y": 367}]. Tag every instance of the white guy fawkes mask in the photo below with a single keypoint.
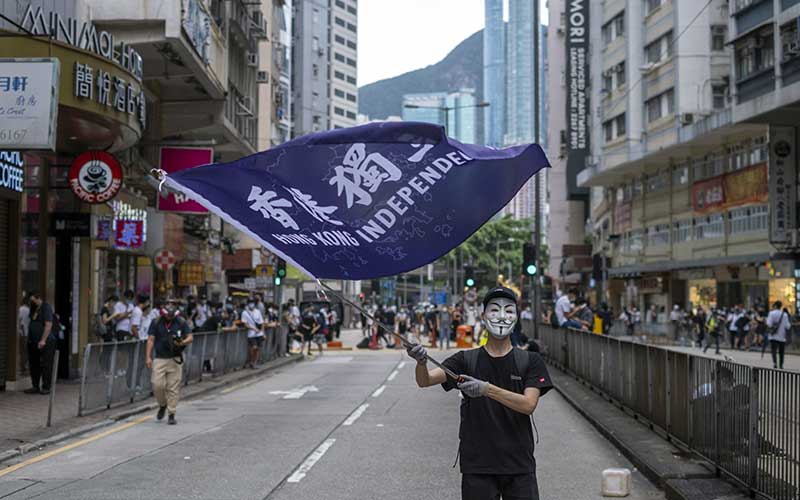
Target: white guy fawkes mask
[{"x": 501, "y": 316}]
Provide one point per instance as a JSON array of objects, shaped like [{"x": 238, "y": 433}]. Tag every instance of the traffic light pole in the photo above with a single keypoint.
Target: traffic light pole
[{"x": 537, "y": 231}]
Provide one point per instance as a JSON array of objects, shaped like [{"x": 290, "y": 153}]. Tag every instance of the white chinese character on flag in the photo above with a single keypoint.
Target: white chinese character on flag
[
  {"x": 322, "y": 214},
  {"x": 362, "y": 175},
  {"x": 271, "y": 207}
]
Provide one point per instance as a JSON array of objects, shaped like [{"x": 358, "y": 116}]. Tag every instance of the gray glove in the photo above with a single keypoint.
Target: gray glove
[
  {"x": 418, "y": 352},
  {"x": 473, "y": 387}
]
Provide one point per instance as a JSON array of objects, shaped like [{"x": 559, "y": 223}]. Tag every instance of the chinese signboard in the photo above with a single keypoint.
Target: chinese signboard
[
  {"x": 782, "y": 183},
  {"x": 11, "y": 171},
  {"x": 174, "y": 159},
  {"x": 578, "y": 82},
  {"x": 95, "y": 177},
  {"x": 128, "y": 234},
  {"x": 110, "y": 91},
  {"x": 748, "y": 185},
  {"x": 28, "y": 103}
]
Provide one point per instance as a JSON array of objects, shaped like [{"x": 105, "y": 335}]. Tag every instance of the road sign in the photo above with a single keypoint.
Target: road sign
[
  {"x": 250, "y": 283},
  {"x": 263, "y": 271},
  {"x": 165, "y": 260},
  {"x": 262, "y": 281}
]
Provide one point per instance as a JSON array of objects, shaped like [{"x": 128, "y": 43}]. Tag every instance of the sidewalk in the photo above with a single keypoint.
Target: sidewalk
[{"x": 24, "y": 416}]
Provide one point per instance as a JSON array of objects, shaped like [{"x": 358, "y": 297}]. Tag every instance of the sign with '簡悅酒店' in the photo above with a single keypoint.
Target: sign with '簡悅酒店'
[{"x": 28, "y": 103}]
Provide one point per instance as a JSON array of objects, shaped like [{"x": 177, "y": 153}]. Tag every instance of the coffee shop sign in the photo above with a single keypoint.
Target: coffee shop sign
[{"x": 83, "y": 35}]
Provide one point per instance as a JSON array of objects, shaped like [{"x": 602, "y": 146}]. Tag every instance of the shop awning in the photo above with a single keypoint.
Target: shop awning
[{"x": 664, "y": 266}]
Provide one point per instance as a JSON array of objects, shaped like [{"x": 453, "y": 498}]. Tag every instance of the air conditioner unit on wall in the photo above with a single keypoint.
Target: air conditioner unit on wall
[
  {"x": 687, "y": 118},
  {"x": 262, "y": 77}
]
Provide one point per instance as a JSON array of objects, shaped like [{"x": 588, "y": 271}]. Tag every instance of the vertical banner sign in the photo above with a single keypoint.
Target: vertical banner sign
[
  {"x": 577, "y": 40},
  {"x": 782, "y": 184},
  {"x": 175, "y": 159},
  {"x": 28, "y": 103}
]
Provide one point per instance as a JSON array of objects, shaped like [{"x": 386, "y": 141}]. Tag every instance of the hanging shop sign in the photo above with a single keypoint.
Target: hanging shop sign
[
  {"x": 12, "y": 173},
  {"x": 164, "y": 259},
  {"x": 83, "y": 35},
  {"x": 578, "y": 92},
  {"x": 28, "y": 103},
  {"x": 782, "y": 184},
  {"x": 95, "y": 177},
  {"x": 708, "y": 195},
  {"x": 109, "y": 91},
  {"x": 174, "y": 159},
  {"x": 71, "y": 225},
  {"x": 129, "y": 234},
  {"x": 103, "y": 229},
  {"x": 747, "y": 185},
  {"x": 190, "y": 273}
]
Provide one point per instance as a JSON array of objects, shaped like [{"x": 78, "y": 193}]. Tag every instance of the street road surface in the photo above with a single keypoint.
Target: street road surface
[{"x": 346, "y": 425}]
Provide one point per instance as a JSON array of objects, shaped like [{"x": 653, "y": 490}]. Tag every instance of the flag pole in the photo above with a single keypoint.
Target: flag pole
[{"x": 405, "y": 342}]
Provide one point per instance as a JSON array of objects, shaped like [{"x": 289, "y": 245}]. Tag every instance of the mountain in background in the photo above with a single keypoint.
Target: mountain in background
[{"x": 461, "y": 68}]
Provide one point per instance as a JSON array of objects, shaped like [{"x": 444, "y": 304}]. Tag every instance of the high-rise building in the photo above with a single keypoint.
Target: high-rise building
[
  {"x": 494, "y": 73},
  {"x": 520, "y": 60},
  {"x": 455, "y": 110},
  {"x": 324, "y": 65}
]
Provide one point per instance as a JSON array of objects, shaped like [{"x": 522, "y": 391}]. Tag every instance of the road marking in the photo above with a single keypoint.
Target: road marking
[
  {"x": 392, "y": 375},
  {"x": 295, "y": 393},
  {"x": 379, "y": 391},
  {"x": 357, "y": 413},
  {"x": 306, "y": 466},
  {"x": 401, "y": 365},
  {"x": 76, "y": 444}
]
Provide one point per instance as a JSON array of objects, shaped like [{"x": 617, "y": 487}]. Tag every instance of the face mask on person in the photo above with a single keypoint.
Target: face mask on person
[
  {"x": 251, "y": 306},
  {"x": 170, "y": 310},
  {"x": 500, "y": 316},
  {"x": 229, "y": 307}
]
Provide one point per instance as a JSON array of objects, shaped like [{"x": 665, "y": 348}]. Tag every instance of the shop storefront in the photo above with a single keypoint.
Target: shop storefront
[
  {"x": 11, "y": 187},
  {"x": 97, "y": 104}
]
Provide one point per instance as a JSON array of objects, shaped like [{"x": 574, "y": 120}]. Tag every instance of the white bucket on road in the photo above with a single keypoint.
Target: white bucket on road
[{"x": 616, "y": 482}]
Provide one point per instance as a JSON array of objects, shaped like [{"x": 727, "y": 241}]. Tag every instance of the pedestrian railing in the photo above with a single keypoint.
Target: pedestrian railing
[
  {"x": 745, "y": 420},
  {"x": 115, "y": 373}
]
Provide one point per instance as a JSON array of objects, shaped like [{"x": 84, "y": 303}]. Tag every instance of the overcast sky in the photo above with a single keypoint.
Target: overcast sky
[{"x": 396, "y": 36}]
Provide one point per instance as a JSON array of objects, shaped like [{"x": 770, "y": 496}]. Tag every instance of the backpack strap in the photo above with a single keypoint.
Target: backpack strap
[
  {"x": 522, "y": 360},
  {"x": 471, "y": 359}
]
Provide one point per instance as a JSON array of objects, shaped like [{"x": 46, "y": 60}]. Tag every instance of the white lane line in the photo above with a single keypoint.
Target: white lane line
[
  {"x": 379, "y": 391},
  {"x": 306, "y": 466},
  {"x": 401, "y": 365},
  {"x": 357, "y": 413},
  {"x": 392, "y": 375}
]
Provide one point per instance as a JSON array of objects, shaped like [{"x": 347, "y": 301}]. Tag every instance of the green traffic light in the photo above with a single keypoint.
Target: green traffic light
[
  {"x": 470, "y": 282},
  {"x": 531, "y": 269},
  {"x": 282, "y": 272},
  {"x": 277, "y": 281}
]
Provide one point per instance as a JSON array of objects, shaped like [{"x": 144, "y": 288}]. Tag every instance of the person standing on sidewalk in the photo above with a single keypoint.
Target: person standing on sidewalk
[
  {"x": 254, "y": 322},
  {"x": 41, "y": 344},
  {"x": 168, "y": 337},
  {"x": 123, "y": 310},
  {"x": 778, "y": 326},
  {"x": 501, "y": 386}
]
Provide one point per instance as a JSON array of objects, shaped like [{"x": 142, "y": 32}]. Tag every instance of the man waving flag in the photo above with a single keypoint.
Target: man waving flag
[{"x": 365, "y": 202}]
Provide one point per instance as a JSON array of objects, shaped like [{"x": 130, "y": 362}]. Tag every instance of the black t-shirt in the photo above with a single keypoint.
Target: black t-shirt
[
  {"x": 163, "y": 331},
  {"x": 39, "y": 317},
  {"x": 390, "y": 315},
  {"x": 496, "y": 439},
  {"x": 308, "y": 323},
  {"x": 430, "y": 320}
]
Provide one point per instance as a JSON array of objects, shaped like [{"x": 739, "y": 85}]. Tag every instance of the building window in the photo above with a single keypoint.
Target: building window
[
  {"x": 651, "y": 5},
  {"x": 608, "y": 82},
  {"x": 620, "y": 122},
  {"x": 338, "y": 111},
  {"x": 680, "y": 174},
  {"x": 719, "y": 96},
  {"x": 749, "y": 219},
  {"x": 682, "y": 231},
  {"x": 636, "y": 237},
  {"x": 340, "y": 4},
  {"x": 352, "y": 45},
  {"x": 352, "y": 10},
  {"x": 709, "y": 227},
  {"x": 614, "y": 29},
  {"x": 339, "y": 75},
  {"x": 339, "y": 57},
  {"x": 755, "y": 54},
  {"x": 790, "y": 40},
  {"x": 352, "y": 27},
  {"x": 660, "y": 49},
  {"x": 351, "y": 79},
  {"x": 614, "y": 127},
  {"x": 315, "y": 44},
  {"x": 315, "y": 16},
  {"x": 351, "y": 115},
  {"x": 338, "y": 93},
  {"x": 314, "y": 71},
  {"x": 658, "y": 182},
  {"x": 620, "y": 74},
  {"x": 614, "y": 77},
  {"x": 660, "y": 106},
  {"x": 339, "y": 39},
  {"x": 351, "y": 97},
  {"x": 718, "y": 34},
  {"x": 339, "y": 21},
  {"x": 351, "y": 62},
  {"x": 658, "y": 235}
]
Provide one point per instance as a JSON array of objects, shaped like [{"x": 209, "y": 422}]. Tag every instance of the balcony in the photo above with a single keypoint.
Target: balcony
[
  {"x": 240, "y": 114},
  {"x": 704, "y": 125}
]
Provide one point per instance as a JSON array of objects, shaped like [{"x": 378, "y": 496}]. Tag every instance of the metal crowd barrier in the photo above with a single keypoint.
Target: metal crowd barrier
[
  {"x": 743, "y": 419},
  {"x": 114, "y": 373}
]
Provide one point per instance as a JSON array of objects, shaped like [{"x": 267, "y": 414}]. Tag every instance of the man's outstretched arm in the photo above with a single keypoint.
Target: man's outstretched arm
[
  {"x": 425, "y": 377},
  {"x": 523, "y": 403}
]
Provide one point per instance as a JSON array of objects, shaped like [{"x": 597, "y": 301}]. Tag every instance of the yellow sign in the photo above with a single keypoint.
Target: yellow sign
[{"x": 263, "y": 270}]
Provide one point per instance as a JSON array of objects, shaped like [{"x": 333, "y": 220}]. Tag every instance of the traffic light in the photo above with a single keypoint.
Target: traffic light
[
  {"x": 529, "y": 266},
  {"x": 469, "y": 276},
  {"x": 280, "y": 272}
]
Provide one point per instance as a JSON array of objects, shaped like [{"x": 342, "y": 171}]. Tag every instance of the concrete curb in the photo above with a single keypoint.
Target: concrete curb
[{"x": 202, "y": 390}]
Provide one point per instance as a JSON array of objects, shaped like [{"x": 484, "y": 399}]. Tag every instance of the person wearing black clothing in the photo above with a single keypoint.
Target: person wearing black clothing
[
  {"x": 432, "y": 325},
  {"x": 308, "y": 327},
  {"x": 501, "y": 386},
  {"x": 168, "y": 336},
  {"x": 41, "y": 345}
]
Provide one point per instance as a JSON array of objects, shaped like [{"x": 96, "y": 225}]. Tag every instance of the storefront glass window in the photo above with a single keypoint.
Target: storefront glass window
[
  {"x": 782, "y": 289},
  {"x": 703, "y": 293}
]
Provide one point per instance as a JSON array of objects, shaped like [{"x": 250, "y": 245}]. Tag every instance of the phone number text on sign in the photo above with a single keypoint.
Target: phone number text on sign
[{"x": 28, "y": 103}]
